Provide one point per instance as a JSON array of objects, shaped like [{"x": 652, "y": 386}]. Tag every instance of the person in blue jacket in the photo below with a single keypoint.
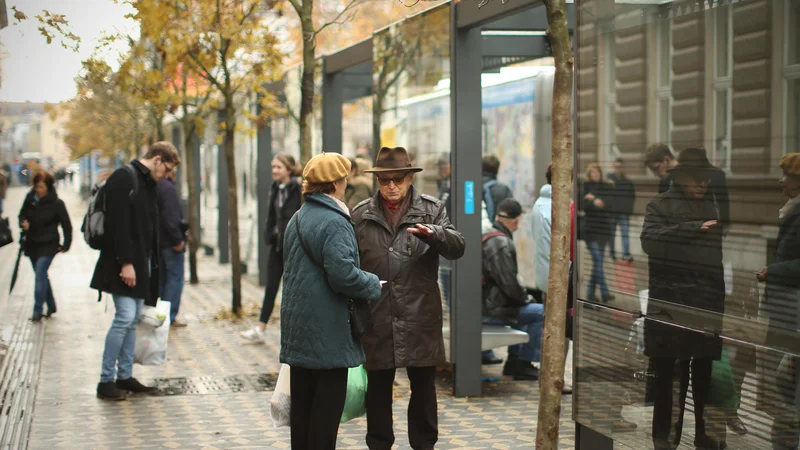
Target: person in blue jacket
[{"x": 322, "y": 273}]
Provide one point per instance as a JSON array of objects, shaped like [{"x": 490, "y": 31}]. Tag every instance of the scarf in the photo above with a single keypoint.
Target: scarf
[
  {"x": 788, "y": 207},
  {"x": 395, "y": 213},
  {"x": 341, "y": 204}
]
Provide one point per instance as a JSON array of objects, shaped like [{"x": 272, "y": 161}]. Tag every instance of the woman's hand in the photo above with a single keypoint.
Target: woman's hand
[
  {"x": 589, "y": 196},
  {"x": 762, "y": 276},
  {"x": 25, "y": 225},
  {"x": 599, "y": 203}
]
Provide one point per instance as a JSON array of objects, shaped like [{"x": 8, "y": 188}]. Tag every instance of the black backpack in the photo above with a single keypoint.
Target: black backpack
[{"x": 93, "y": 227}]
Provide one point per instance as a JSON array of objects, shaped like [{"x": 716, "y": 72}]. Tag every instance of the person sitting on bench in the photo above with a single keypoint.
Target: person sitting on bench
[{"x": 505, "y": 299}]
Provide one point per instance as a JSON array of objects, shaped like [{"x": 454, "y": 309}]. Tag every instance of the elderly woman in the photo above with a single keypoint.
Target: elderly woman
[
  {"x": 682, "y": 237},
  {"x": 41, "y": 215},
  {"x": 781, "y": 307},
  {"x": 322, "y": 276},
  {"x": 401, "y": 235}
]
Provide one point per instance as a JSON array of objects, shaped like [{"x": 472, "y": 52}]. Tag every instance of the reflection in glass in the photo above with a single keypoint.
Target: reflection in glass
[
  {"x": 598, "y": 221},
  {"x": 793, "y": 116},
  {"x": 722, "y": 138},
  {"x": 722, "y": 39},
  {"x": 682, "y": 237},
  {"x": 792, "y": 33}
]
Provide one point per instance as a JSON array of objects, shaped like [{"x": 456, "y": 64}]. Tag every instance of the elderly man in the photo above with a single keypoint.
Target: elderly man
[{"x": 401, "y": 235}]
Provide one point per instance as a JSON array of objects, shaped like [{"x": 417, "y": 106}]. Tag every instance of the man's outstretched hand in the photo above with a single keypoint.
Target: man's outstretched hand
[{"x": 421, "y": 231}]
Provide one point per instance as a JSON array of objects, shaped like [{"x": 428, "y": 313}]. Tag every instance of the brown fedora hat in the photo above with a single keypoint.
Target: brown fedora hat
[{"x": 393, "y": 160}]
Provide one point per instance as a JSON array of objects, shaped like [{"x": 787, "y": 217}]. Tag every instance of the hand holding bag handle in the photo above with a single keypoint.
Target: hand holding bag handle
[{"x": 359, "y": 313}]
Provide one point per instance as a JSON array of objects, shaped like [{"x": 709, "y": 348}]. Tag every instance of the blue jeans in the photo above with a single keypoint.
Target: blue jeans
[
  {"x": 624, "y": 223},
  {"x": 597, "y": 277},
  {"x": 121, "y": 339},
  {"x": 171, "y": 279},
  {"x": 531, "y": 321},
  {"x": 42, "y": 292}
]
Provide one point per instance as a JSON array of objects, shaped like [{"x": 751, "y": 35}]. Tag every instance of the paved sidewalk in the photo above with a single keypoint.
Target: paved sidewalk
[{"x": 219, "y": 387}]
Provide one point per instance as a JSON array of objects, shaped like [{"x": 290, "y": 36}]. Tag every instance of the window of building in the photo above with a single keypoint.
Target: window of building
[
  {"x": 791, "y": 75},
  {"x": 723, "y": 86},
  {"x": 664, "y": 89}
]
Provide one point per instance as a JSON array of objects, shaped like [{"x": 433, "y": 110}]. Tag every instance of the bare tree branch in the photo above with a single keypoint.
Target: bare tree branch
[
  {"x": 297, "y": 6},
  {"x": 338, "y": 19}
]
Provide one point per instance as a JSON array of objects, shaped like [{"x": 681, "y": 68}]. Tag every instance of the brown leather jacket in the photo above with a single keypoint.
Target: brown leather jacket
[{"x": 407, "y": 322}]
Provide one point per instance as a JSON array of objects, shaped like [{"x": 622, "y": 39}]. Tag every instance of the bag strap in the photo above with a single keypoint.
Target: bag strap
[
  {"x": 488, "y": 236},
  {"x": 129, "y": 167}
]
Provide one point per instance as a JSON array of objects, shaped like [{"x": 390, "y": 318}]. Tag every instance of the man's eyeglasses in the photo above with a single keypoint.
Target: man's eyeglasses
[
  {"x": 169, "y": 169},
  {"x": 398, "y": 180}
]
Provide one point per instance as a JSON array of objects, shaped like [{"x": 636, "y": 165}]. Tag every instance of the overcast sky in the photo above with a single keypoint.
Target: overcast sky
[{"x": 38, "y": 72}]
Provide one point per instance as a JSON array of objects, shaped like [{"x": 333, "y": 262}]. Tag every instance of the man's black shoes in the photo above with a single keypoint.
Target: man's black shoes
[
  {"x": 109, "y": 391},
  {"x": 133, "y": 386},
  {"x": 520, "y": 370}
]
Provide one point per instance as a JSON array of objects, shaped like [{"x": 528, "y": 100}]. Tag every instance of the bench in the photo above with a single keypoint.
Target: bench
[{"x": 492, "y": 336}]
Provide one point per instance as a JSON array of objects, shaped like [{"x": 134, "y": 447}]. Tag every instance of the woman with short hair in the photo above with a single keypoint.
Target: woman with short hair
[
  {"x": 39, "y": 218},
  {"x": 322, "y": 277}
]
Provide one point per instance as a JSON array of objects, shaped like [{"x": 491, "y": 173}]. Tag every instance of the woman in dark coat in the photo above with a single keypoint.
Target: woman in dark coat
[
  {"x": 284, "y": 201},
  {"x": 683, "y": 240},
  {"x": 780, "y": 396},
  {"x": 322, "y": 274},
  {"x": 40, "y": 217},
  {"x": 598, "y": 225}
]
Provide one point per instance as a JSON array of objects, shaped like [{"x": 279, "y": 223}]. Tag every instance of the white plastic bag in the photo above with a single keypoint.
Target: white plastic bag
[
  {"x": 280, "y": 405},
  {"x": 151, "y": 342}
]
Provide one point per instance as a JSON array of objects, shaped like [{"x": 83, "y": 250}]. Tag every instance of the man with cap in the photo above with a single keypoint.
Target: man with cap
[
  {"x": 401, "y": 235},
  {"x": 505, "y": 299},
  {"x": 682, "y": 237}
]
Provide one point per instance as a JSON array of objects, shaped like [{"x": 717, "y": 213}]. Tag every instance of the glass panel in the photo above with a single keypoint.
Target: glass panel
[
  {"x": 664, "y": 53},
  {"x": 793, "y": 116},
  {"x": 721, "y": 138},
  {"x": 357, "y": 128},
  {"x": 722, "y": 41},
  {"x": 411, "y": 85},
  {"x": 792, "y": 33},
  {"x": 698, "y": 235}
]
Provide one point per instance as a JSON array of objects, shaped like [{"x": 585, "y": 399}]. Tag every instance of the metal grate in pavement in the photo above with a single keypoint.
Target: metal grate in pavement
[{"x": 206, "y": 385}]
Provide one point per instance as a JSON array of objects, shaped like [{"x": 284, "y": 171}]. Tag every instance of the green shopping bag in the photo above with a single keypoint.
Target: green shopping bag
[
  {"x": 355, "y": 404},
  {"x": 723, "y": 389}
]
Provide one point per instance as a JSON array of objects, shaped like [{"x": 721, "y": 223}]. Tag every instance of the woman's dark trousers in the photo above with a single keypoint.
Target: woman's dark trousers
[
  {"x": 317, "y": 398},
  {"x": 274, "y": 275}
]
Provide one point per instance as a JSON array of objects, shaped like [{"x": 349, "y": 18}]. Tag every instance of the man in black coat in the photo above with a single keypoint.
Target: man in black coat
[
  {"x": 128, "y": 265},
  {"x": 505, "y": 299}
]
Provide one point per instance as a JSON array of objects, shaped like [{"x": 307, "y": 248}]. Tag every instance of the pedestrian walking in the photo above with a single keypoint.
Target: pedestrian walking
[
  {"x": 622, "y": 208},
  {"x": 3, "y": 188},
  {"x": 505, "y": 299},
  {"x": 598, "y": 222},
  {"x": 401, "y": 236},
  {"x": 172, "y": 239},
  {"x": 682, "y": 237},
  {"x": 284, "y": 201},
  {"x": 41, "y": 215},
  {"x": 777, "y": 386},
  {"x": 128, "y": 266},
  {"x": 322, "y": 276}
]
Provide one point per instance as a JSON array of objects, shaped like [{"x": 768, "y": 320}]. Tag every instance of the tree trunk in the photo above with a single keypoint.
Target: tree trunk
[
  {"x": 552, "y": 374},
  {"x": 377, "y": 112},
  {"x": 194, "y": 214},
  {"x": 307, "y": 81},
  {"x": 233, "y": 206}
]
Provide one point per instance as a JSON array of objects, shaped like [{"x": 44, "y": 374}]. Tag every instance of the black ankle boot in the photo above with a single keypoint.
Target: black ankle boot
[
  {"x": 109, "y": 391},
  {"x": 511, "y": 365},
  {"x": 524, "y": 371}
]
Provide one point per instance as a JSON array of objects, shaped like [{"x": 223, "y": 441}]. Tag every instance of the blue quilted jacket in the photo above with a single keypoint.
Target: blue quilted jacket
[{"x": 315, "y": 327}]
